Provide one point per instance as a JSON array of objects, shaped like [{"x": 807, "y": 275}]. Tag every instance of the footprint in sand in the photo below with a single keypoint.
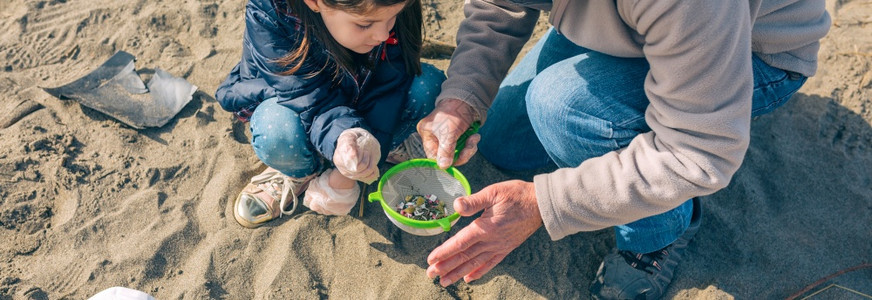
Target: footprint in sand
[
  {"x": 65, "y": 207},
  {"x": 49, "y": 32}
]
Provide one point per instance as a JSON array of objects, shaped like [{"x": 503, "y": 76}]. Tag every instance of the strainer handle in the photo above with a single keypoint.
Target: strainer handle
[
  {"x": 376, "y": 196},
  {"x": 461, "y": 141},
  {"x": 444, "y": 223}
]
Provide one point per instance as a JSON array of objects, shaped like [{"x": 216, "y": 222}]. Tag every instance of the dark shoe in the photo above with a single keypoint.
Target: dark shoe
[
  {"x": 411, "y": 147},
  {"x": 629, "y": 275}
]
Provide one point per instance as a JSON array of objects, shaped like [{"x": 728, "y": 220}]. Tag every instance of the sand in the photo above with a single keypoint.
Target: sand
[{"x": 89, "y": 203}]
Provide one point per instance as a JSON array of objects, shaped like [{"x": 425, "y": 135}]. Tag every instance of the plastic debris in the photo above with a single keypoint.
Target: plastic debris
[
  {"x": 422, "y": 208},
  {"x": 115, "y": 89}
]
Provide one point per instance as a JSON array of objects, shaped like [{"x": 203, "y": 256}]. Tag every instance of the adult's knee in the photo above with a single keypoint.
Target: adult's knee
[
  {"x": 592, "y": 85},
  {"x": 545, "y": 100},
  {"x": 568, "y": 122},
  {"x": 552, "y": 102}
]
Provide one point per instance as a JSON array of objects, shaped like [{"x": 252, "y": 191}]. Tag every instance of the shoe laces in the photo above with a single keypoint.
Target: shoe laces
[
  {"x": 648, "y": 262},
  {"x": 279, "y": 186}
]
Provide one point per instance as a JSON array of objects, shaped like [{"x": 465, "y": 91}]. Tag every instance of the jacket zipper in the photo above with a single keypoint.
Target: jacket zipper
[{"x": 359, "y": 86}]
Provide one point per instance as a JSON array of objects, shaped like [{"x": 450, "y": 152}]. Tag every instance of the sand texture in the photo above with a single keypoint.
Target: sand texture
[{"x": 87, "y": 203}]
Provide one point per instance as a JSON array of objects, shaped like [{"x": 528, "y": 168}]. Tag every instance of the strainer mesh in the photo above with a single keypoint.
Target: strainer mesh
[{"x": 422, "y": 181}]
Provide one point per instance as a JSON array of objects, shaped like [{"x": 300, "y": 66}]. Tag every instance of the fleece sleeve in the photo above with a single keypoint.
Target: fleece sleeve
[
  {"x": 488, "y": 41},
  {"x": 700, "y": 88}
]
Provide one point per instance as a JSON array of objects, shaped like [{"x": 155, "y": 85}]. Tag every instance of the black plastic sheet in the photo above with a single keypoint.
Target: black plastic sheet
[{"x": 115, "y": 89}]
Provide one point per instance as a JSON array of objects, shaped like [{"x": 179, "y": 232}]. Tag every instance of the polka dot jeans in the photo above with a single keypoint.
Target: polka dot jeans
[{"x": 280, "y": 140}]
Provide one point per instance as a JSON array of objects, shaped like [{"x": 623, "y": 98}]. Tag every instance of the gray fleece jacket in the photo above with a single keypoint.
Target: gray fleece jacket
[{"x": 700, "y": 87}]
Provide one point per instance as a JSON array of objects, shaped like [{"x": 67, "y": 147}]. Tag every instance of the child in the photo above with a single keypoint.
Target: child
[{"x": 327, "y": 85}]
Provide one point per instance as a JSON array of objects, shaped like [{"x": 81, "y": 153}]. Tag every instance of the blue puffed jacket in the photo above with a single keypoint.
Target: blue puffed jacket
[{"x": 371, "y": 99}]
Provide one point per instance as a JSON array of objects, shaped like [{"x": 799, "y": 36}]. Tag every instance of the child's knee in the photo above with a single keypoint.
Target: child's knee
[
  {"x": 279, "y": 138},
  {"x": 425, "y": 88},
  {"x": 273, "y": 119},
  {"x": 432, "y": 73},
  {"x": 271, "y": 112}
]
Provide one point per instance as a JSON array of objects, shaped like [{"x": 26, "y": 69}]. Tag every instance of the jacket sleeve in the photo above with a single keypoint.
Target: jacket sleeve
[
  {"x": 322, "y": 108},
  {"x": 700, "y": 88},
  {"x": 488, "y": 41},
  {"x": 241, "y": 96}
]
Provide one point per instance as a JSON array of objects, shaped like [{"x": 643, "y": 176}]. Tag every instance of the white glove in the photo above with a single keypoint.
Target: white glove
[
  {"x": 357, "y": 154},
  {"x": 323, "y": 199}
]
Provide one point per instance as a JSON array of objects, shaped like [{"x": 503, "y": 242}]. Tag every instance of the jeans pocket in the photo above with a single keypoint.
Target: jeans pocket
[{"x": 773, "y": 87}]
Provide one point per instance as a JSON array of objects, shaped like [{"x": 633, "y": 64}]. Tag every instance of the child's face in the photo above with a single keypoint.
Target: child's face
[{"x": 360, "y": 33}]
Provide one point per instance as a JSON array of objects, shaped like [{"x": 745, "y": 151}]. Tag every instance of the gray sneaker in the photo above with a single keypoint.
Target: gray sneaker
[
  {"x": 411, "y": 147},
  {"x": 629, "y": 275}
]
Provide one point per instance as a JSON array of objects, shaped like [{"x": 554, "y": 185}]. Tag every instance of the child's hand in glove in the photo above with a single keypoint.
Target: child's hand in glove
[{"x": 357, "y": 154}]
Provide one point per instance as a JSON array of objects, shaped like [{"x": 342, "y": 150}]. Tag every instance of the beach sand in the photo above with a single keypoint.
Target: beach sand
[{"x": 89, "y": 203}]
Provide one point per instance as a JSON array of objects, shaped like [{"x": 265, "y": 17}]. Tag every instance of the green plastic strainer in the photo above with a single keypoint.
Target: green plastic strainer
[{"x": 423, "y": 177}]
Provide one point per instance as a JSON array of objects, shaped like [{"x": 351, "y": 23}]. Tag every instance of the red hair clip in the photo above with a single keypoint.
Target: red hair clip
[{"x": 392, "y": 40}]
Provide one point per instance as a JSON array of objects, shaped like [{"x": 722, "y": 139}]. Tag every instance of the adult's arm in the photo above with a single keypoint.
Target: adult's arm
[
  {"x": 700, "y": 88},
  {"x": 488, "y": 41}
]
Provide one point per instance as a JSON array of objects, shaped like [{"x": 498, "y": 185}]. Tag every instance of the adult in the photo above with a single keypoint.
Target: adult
[{"x": 641, "y": 104}]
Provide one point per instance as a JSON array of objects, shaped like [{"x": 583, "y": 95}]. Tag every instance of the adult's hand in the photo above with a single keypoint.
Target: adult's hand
[
  {"x": 441, "y": 129},
  {"x": 511, "y": 215},
  {"x": 357, "y": 154}
]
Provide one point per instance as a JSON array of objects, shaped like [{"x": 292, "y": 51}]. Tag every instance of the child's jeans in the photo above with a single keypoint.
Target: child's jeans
[
  {"x": 509, "y": 141},
  {"x": 280, "y": 141}
]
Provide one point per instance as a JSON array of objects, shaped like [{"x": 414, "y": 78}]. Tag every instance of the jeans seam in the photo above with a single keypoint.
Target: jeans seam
[
  {"x": 623, "y": 126},
  {"x": 612, "y": 135},
  {"x": 656, "y": 236},
  {"x": 782, "y": 98}
]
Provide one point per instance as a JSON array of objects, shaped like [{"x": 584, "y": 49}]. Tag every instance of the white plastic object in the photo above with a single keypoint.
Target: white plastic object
[
  {"x": 323, "y": 199},
  {"x": 364, "y": 165}
]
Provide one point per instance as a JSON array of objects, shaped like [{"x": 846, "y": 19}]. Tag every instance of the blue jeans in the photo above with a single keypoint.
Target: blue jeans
[
  {"x": 280, "y": 140},
  {"x": 563, "y": 104}
]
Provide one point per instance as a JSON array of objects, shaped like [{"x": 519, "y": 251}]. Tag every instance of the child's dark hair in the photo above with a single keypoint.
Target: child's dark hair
[{"x": 408, "y": 29}]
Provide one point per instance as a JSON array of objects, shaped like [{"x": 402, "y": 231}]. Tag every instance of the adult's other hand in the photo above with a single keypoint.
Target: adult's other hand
[{"x": 511, "y": 215}]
